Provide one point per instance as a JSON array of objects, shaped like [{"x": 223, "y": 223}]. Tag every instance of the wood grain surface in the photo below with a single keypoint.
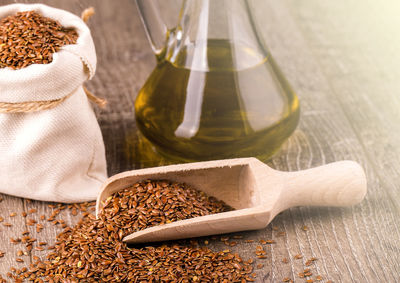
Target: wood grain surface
[{"x": 342, "y": 59}]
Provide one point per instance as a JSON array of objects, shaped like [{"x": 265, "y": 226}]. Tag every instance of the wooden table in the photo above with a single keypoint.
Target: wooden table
[{"x": 342, "y": 59}]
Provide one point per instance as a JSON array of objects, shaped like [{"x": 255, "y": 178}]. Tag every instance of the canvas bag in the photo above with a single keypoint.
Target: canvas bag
[{"x": 51, "y": 147}]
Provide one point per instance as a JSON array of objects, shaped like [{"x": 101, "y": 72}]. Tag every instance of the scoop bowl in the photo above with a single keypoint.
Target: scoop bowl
[{"x": 256, "y": 192}]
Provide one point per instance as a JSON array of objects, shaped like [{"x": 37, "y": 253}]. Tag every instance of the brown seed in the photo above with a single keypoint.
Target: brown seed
[
  {"x": 39, "y": 227},
  {"x": 310, "y": 261},
  {"x": 12, "y": 214},
  {"x": 30, "y": 222},
  {"x": 15, "y": 241},
  {"x": 307, "y": 272},
  {"x": 298, "y": 256}
]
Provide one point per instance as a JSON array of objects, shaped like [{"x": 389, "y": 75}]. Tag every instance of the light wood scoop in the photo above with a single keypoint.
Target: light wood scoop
[{"x": 256, "y": 192}]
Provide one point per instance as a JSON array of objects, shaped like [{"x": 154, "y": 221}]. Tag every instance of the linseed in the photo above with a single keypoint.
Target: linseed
[
  {"x": 29, "y": 38},
  {"x": 93, "y": 251},
  {"x": 298, "y": 256}
]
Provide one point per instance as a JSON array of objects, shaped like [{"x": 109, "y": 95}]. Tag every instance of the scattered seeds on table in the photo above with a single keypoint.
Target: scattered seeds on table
[{"x": 93, "y": 250}]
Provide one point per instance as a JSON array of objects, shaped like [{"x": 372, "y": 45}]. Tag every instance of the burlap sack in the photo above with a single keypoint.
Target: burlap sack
[{"x": 51, "y": 147}]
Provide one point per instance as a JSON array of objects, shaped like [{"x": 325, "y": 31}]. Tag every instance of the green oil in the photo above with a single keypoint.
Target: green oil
[{"x": 231, "y": 102}]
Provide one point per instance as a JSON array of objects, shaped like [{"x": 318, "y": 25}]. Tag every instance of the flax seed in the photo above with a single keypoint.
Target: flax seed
[
  {"x": 93, "y": 251},
  {"x": 29, "y": 38}
]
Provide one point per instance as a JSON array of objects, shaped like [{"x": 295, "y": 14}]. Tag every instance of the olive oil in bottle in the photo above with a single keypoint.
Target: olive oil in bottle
[{"x": 233, "y": 103}]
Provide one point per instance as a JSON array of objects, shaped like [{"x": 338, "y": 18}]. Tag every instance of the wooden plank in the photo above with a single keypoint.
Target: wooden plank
[
  {"x": 359, "y": 56},
  {"x": 350, "y": 241},
  {"x": 7, "y": 206}
]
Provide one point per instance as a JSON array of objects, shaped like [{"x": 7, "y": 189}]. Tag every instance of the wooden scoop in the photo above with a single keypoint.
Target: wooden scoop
[{"x": 257, "y": 192}]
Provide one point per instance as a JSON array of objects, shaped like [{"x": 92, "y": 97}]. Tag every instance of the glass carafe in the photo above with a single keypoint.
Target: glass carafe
[{"x": 216, "y": 91}]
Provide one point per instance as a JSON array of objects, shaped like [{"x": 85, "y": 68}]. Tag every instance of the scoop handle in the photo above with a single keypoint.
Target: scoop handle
[{"x": 340, "y": 183}]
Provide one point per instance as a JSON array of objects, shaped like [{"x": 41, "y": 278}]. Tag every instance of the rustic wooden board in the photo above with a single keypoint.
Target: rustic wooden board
[{"x": 341, "y": 58}]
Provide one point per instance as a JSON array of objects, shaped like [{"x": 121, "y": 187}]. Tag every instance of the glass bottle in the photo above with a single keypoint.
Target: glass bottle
[{"x": 216, "y": 91}]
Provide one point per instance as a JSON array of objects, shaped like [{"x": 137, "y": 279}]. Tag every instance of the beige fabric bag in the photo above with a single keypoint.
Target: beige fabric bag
[{"x": 51, "y": 147}]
